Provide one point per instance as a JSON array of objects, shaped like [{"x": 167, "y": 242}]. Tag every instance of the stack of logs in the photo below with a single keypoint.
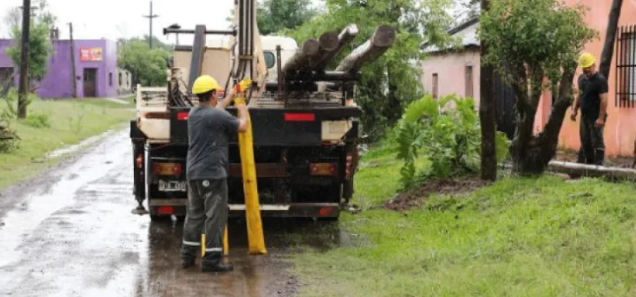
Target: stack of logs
[{"x": 315, "y": 55}]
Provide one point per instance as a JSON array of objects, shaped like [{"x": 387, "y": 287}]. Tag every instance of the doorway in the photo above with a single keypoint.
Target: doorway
[{"x": 90, "y": 82}]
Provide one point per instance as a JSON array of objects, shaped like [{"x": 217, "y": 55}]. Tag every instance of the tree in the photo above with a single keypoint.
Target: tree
[
  {"x": 466, "y": 10},
  {"x": 487, "y": 114},
  {"x": 147, "y": 66},
  {"x": 276, "y": 15},
  {"x": 610, "y": 37},
  {"x": 534, "y": 44},
  {"x": 157, "y": 43},
  {"x": 12, "y": 18},
  {"x": 40, "y": 46},
  {"x": 392, "y": 81}
]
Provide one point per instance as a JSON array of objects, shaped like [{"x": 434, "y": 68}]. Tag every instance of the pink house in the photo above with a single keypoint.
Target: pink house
[{"x": 458, "y": 72}]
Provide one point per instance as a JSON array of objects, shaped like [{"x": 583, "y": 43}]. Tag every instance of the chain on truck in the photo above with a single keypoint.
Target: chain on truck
[{"x": 304, "y": 118}]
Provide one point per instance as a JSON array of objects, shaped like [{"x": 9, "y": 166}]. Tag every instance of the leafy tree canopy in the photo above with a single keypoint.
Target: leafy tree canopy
[
  {"x": 544, "y": 35},
  {"x": 40, "y": 46},
  {"x": 276, "y": 15},
  {"x": 529, "y": 41},
  {"x": 147, "y": 66}
]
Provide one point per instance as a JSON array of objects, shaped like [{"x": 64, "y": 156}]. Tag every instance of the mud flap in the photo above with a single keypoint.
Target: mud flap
[
  {"x": 139, "y": 188},
  {"x": 351, "y": 158}
]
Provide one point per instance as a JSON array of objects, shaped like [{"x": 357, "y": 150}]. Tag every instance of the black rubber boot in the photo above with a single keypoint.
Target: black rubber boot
[
  {"x": 213, "y": 262},
  {"x": 188, "y": 257},
  {"x": 599, "y": 159},
  {"x": 581, "y": 157},
  {"x": 219, "y": 267},
  {"x": 187, "y": 262}
]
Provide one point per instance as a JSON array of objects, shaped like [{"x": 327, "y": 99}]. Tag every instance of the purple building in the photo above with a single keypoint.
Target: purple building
[{"x": 95, "y": 69}]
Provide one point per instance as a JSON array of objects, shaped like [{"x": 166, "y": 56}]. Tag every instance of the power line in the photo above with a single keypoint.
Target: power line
[{"x": 150, "y": 17}]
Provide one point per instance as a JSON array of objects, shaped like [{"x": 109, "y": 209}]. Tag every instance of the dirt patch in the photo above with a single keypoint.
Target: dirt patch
[{"x": 417, "y": 198}]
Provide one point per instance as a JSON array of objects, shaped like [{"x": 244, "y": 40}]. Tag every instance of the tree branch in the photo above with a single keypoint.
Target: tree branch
[
  {"x": 550, "y": 133},
  {"x": 536, "y": 83},
  {"x": 610, "y": 38}
]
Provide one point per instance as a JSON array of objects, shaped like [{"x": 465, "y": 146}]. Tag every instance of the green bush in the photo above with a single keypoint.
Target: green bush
[
  {"x": 448, "y": 136},
  {"x": 38, "y": 120},
  {"x": 9, "y": 140}
]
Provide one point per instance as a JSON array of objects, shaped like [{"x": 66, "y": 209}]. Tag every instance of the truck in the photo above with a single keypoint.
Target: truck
[{"x": 305, "y": 122}]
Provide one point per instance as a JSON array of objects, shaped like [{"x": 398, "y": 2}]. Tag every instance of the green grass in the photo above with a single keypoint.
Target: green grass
[
  {"x": 71, "y": 121},
  {"x": 519, "y": 237},
  {"x": 379, "y": 177}
]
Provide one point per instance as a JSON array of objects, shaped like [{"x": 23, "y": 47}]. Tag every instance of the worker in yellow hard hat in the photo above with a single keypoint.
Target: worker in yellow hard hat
[
  {"x": 209, "y": 130},
  {"x": 592, "y": 99}
]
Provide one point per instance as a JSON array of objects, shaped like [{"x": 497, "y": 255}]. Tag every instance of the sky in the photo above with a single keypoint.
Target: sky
[{"x": 94, "y": 19}]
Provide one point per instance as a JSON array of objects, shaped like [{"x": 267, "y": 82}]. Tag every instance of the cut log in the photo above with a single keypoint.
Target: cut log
[
  {"x": 379, "y": 43},
  {"x": 309, "y": 49},
  {"x": 344, "y": 38},
  {"x": 329, "y": 42},
  {"x": 311, "y": 53},
  {"x": 592, "y": 170}
]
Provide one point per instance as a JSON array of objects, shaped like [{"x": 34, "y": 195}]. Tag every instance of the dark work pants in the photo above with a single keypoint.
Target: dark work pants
[
  {"x": 207, "y": 211},
  {"x": 592, "y": 144}
]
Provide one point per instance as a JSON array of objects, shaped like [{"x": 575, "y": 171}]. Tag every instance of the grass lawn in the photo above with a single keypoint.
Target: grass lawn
[
  {"x": 71, "y": 121},
  {"x": 519, "y": 237}
]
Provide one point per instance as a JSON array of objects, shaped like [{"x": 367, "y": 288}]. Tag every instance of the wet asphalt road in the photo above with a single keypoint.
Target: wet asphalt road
[{"x": 70, "y": 232}]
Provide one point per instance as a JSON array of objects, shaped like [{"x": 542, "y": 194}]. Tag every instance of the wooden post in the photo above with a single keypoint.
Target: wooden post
[
  {"x": 24, "y": 60},
  {"x": 70, "y": 27},
  {"x": 487, "y": 114}
]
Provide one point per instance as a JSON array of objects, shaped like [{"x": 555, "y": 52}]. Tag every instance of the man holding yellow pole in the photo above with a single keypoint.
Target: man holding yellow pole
[{"x": 209, "y": 129}]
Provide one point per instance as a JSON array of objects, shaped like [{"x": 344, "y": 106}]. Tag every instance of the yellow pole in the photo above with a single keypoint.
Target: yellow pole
[
  {"x": 252, "y": 206},
  {"x": 202, "y": 245},
  {"x": 226, "y": 244}
]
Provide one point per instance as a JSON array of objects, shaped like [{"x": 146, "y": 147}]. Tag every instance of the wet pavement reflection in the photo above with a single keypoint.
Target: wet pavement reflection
[{"x": 70, "y": 232}]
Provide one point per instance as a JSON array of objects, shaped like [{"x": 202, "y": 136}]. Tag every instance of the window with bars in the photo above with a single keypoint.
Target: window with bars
[{"x": 626, "y": 67}]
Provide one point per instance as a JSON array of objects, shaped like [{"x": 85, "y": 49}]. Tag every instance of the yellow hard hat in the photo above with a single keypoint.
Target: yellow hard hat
[
  {"x": 586, "y": 60},
  {"x": 204, "y": 84}
]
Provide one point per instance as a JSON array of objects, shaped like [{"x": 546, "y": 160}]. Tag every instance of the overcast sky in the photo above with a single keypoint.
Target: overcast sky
[{"x": 94, "y": 19}]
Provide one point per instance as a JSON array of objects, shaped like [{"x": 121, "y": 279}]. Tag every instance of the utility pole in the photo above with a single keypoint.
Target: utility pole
[
  {"x": 150, "y": 17},
  {"x": 24, "y": 60},
  {"x": 487, "y": 113},
  {"x": 70, "y": 28}
]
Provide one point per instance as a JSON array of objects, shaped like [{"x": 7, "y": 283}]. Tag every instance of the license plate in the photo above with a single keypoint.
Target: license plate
[{"x": 172, "y": 186}]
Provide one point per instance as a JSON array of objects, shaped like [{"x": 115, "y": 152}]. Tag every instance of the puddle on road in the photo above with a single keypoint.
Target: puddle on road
[{"x": 253, "y": 276}]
